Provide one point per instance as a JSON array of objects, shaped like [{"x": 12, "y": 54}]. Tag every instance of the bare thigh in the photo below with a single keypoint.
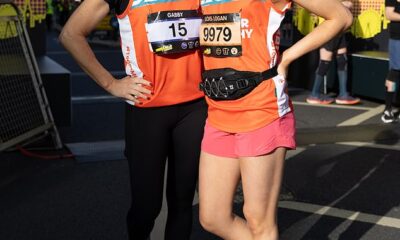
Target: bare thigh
[
  {"x": 342, "y": 51},
  {"x": 325, "y": 54},
  {"x": 218, "y": 178},
  {"x": 261, "y": 179}
]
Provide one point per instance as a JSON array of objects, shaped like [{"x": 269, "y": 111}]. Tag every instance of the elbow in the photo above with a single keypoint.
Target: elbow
[
  {"x": 64, "y": 35},
  {"x": 342, "y": 20},
  {"x": 347, "y": 20}
]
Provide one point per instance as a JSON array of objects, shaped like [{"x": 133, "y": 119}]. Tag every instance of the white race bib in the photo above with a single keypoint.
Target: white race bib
[
  {"x": 220, "y": 35},
  {"x": 173, "y": 31}
]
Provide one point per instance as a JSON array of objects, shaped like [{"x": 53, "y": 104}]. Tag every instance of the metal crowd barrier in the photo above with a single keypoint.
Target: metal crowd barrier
[{"x": 25, "y": 115}]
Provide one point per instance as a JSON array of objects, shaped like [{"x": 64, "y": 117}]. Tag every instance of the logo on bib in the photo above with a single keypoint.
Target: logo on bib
[{"x": 164, "y": 48}]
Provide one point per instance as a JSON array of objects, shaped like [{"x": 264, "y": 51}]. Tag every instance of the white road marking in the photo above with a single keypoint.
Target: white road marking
[
  {"x": 333, "y": 106},
  {"x": 300, "y": 228},
  {"x": 341, "y": 213},
  {"x": 371, "y": 145},
  {"x": 363, "y": 116}
]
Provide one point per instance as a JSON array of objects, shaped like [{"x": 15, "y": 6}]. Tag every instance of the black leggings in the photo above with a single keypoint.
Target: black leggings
[{"x": 152, "y": 135}]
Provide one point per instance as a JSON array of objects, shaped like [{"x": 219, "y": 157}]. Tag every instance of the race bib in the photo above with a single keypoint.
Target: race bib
[
  {"x": 220, "y": 35},
  {"x": 173, "y": 31}
]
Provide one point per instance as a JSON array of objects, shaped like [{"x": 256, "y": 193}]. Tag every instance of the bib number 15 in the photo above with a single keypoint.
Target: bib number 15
[
  {"x": 179, "y": 28},
  {"x": 211, "y": 34}
]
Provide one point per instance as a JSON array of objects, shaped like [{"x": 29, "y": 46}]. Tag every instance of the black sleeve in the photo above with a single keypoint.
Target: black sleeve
[
  {"x": 118, "y": 5},
  {"x": 390, "y": 3}
]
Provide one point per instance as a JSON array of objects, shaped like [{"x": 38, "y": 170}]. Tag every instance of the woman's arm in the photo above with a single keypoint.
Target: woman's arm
[
  {"x": 391, "y": 14},
  {"x": 337, "y": 19},
  {"x": 73, "y": 36}
]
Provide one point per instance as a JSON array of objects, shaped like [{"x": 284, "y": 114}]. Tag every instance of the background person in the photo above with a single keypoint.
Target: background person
[
  {"x": 335, "y": 47},
  {"x": 392, "y": 11}
]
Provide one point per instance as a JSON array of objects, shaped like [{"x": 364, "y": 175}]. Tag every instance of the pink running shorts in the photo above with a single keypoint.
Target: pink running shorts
[{"x": 279, "y": 133}]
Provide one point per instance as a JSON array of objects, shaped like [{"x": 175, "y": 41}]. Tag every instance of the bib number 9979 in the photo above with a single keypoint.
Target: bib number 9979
[
  {"x": 220, "y": 35},
  {"x": 214, "y": 33}
]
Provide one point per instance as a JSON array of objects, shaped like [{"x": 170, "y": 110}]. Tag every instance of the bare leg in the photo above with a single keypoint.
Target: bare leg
[
  {"x": 323, "y": 67},
  {"x": 261, "y": 179},
  {"x": 341, "y": 51},
  {"x": 341, "y": 62},
  {"x": 218, "y": 180},
  {"x": 325, "y": 55}
]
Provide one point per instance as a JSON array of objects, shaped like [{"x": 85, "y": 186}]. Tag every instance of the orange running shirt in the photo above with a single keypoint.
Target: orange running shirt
[
  {"x": 175, "y": 77},
  {"x": 259, "y": 33}
]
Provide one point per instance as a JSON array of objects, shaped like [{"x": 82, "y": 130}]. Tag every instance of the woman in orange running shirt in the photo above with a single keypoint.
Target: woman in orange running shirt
[
  {"x": 164, "y": 110},
  {"x": 246, "y": 137}
]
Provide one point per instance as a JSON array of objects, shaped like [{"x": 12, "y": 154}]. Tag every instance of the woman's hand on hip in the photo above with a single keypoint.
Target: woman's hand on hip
[{"x": 131, "y": 88}]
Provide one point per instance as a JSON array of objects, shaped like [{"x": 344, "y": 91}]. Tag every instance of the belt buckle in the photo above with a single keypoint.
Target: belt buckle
[{"x": 242, "y": 83}]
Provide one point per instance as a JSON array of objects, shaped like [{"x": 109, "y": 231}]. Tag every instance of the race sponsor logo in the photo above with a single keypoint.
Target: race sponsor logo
[
  {"x": 184, "y": 45},
  {"x": 191, "y": 44},
  {"x": 207, "y": 51},
  {"x": 164, "y": 48},
  {"x": 234, "y": 51}
]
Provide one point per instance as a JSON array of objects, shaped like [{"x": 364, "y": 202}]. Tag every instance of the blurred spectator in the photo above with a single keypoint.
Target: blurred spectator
[
  {"x": 392, "y": 10},
  {"x": 337, "y": 46}
]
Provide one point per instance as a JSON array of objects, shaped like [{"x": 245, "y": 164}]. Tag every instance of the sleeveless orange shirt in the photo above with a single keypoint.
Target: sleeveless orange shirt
[
  {"x": 175, "y": 77},
  {"x": 259, "y": 26}
]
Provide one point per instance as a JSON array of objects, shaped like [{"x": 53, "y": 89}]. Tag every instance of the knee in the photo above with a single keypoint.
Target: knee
[
  {"x": 212, "y": 221},
  {"x": 208, "y": 221},
  {"x": 255, "y": 218},
  {"x": 180, "y": 210},
  {"x": 140, "y": 214},
  {"x": 323, "y": 67},
  {"x": 139, "y": 224},
  {"x": 260, "y": 221},
  {"x": 341, "y": 60},
  {"x": 392, "y": 78},
  {"x": 390, "y": 86}
]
